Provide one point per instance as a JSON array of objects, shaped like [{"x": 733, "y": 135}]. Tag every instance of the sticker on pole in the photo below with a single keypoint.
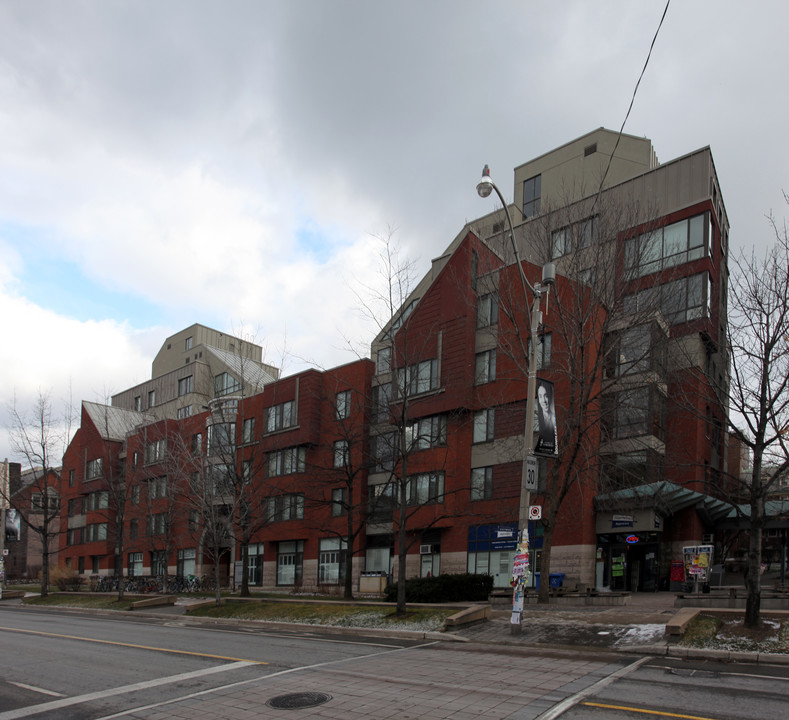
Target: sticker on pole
[{"x": 535, "y": 512}]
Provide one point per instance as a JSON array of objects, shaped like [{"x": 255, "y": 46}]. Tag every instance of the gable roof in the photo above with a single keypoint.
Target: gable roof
[{"x": 115, "y": 423}]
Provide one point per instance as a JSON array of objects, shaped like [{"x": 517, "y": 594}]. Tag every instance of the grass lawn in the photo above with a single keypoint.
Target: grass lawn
[{"x": 717, "y": 633}]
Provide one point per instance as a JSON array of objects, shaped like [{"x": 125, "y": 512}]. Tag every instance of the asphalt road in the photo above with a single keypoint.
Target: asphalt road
[
  {"x": 51, "y": 657},
  {"x": 64, "y": 665}
]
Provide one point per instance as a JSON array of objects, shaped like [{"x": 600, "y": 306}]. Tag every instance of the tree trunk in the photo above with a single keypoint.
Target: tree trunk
[
  {"x": 216, "y": 578},
  {"x": 753, "y": 578},
  {"x": 45, "y": 566},
  {"x": 348, "y": 588},
  {"x": 402, "y": 547},
  {"x": 245, "y": 567}
]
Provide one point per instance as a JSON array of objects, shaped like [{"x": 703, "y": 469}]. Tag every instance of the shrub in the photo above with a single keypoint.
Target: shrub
[
  {"x": 464, "y": 587},
  {"x": 64, "y": 578}
]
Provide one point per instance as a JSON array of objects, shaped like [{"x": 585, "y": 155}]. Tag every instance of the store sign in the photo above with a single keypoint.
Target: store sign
[
  {"x": 631, "y": 539},
  {"x": 621, "y": 521}
]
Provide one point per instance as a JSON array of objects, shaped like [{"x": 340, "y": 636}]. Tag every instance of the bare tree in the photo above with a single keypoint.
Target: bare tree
[
  {"x": 758, "y": 340},
  {"x": 36, "y": 437}
]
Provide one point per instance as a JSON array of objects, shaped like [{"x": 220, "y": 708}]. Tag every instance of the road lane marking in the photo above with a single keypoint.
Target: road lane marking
[
  {"x": 101, "y": 694},
  {"x": 132, "y": 645},
  {"x": 558, "y": 709},
  {"x": 662, "y": 713},
  {"x": 43, "y": 691}
]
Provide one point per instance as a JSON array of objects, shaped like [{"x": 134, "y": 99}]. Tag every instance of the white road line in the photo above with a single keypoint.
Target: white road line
[
  {"x": 567, "y": 703},
  {"x": 66, "y": 702},
  {"x": 264, "y": 678},
  {"x": 36, "y": 689}
]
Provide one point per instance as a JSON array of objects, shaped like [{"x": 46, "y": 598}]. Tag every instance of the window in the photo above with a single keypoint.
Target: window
[
  {"x": 151, "y": 398},
  {"x": 419, "y": 378},
  {"x": 381, "y": 500},
  {"x": 186, "y": 562},
  {"x": 634, "y": 412},
  {"x": 194, "y": 520},
  {"x": 532, "y": 189},
  {"x": 669, "y": 246},
  {"x": 98, "y": 500},
  {"x": 188, "y": 343},
  {"x": 680, "y": 301},
  {"x": 157, "y": 487},
  {"x": 76, "y": 506},
  {"x": 484, "y": 425},
  {"x": 157, "y": 524},
  {"x": 255, "y": 555},
  {"x": 38, "y": 500},
  {"x": 331, "y": 561},
  {"x": 425, "y": 488},
  {"x": 184, "y": 386},
  {"x": 155, "y": 451},
  {"x": 281, "y": 416},
  {"x": 197, "y": 443},
  {"x": 74, "y": 536},
  {"x": 485, "y": 367},
  {"x": 137, "y": 403},
  {"x": 71, "y": 478},
  {"x": 341, "y": 453},
  {"x": 184, "y": 412},
  {"x": 427, "y": 432},
  {"x": 221, "y": 439},
  {"x": 384, "y": 360},
  {"x": 225, "y": 384},
  {"x": 544, "y": 348},
  {"x": 290, "y": 559},
  {"x": 135, "y": 564},
  {"x": 248, "y": 431},
  {"x": 158, "y": 562},
  {"x": 382, "y": 397},
  {"x": 94, "y": 468},
  {"x": 281, "y": 508},
  {"x": 574, "y": 237},
  {"x": 96, "y": 532},
  {"x": 286, "y": 462},
  {"x": 221, "y": 477},
  {"x": 487, "y": 310},
  {"x": 481, "y": 483},
  {"x": 134, "y": 529},
  {"x": 384, "y": 451},
  {"x": 339, "y": 501},
  {"x": 342, "y": 405},
  {"x": 135, "y": 495}
]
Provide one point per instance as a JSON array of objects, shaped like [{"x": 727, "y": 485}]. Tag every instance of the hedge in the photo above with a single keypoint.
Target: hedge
[{"x": 444, "y": 588}]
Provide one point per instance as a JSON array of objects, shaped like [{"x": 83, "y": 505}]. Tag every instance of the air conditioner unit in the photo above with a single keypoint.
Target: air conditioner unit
[
  {"x": 426, "y": 549},
  {"x": 707, "y": 539}
]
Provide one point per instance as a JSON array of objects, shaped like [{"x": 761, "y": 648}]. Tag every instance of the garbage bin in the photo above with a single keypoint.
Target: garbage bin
[{"x": 556, "y": 579}]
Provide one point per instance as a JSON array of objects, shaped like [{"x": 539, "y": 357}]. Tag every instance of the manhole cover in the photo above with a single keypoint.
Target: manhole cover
[{"x": 296, "y": 701}]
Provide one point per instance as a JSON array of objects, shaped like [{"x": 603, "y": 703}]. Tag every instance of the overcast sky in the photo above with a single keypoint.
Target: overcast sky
[{"x": 165, "y": 162}]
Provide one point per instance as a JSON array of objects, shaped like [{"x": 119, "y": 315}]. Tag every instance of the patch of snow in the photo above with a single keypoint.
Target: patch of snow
[{"x": 642, "y": 634}]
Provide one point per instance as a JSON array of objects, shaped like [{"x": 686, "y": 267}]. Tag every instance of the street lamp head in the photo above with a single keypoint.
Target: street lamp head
[{"x": 485, "y": 185}]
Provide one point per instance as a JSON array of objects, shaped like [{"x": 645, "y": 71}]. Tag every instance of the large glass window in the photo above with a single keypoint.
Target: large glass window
[
  {"x": 419, "y": 378},
  {"x": 666, "y": 247},
  {"x": 94, "y": 468},
  {"x": 255, "y": 552},
  {"x": 341, "y": 453},
  {"x": 286, "y": 461},
  {"x": 281, "y": 416},
  {"x": 281, "y": 508},
  {"x": 425, "y": 488},
  {"x": 159, "y": 562},
  {"x": 225, "y": 384},
  {"x": 221, "y": 439},
  {"x": 681, "y": 300},
  {"x": 382, "y": 397},
  {"x": 544, "y": 349},
  {"x": 155, "y": 451},
  {"x": 331, "y": 561},
  {"x": 135, "y": 564},
  {"x": 248, "y": 431},
  {"x": 186, "y": 562},
  {"x": 427, "y": 432},
  {"x": 290, "y": 560}
]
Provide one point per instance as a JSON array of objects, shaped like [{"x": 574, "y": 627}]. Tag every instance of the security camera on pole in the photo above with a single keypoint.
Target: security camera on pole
[{"x": 520, "y": 568}]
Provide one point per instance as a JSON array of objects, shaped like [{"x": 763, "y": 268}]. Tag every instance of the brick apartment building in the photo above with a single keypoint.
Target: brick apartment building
[{"x": 299, "y": 472}]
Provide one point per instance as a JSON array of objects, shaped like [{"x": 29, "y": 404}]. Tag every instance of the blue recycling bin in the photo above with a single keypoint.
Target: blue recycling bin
[{"x": 556, "y": 579}]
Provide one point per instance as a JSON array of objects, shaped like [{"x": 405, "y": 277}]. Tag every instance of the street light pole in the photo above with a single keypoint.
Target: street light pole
[{"x": 528, "y": 469}]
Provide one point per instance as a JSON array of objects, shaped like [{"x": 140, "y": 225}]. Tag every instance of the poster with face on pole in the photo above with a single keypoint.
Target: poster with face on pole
[{"x": 545, "y": 420}]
